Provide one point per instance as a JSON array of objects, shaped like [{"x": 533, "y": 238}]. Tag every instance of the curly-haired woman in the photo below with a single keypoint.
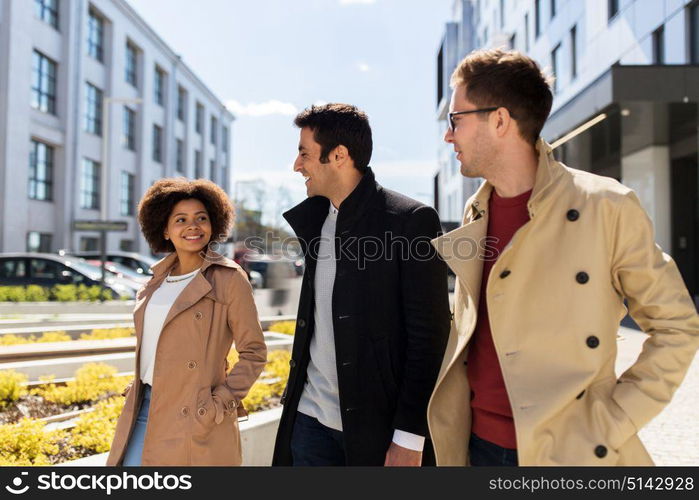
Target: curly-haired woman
[{"x": 183, "y": 405}]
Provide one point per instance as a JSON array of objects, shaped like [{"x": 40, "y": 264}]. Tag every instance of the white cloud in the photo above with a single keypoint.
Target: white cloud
[
  {"x": 271, "y": 107},
  {"x": 363, "y": 67},
  {"x": 352, "y": 2}
]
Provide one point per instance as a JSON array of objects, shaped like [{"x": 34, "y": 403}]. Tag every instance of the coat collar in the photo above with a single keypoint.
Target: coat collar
[
  {"x": 306, "y": 218},
  {"x": 548, "y": 170}
]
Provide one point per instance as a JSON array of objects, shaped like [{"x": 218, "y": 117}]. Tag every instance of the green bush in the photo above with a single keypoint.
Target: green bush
[
  {"x": 92, "y": 382},
  {"x": 94, "y": 431},
  {"x": 13, "y": 294},
  {"x": 11, "y": 386},
  {"x": 36, "y": 293}
]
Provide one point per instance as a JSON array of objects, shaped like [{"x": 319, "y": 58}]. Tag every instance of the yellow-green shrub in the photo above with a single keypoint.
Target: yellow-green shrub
[
  {"x": 12, "y": 339},
  {"x": 287, "y": 327},
  {"x": 11, "y": 386},
  {"x": 95, "y": 430},
  {"x": 108, "y": 333},
  {"x": 92, "y": 381},
  {"x": 36, "y": 293},
  {"x": 57, "y": 336},
  {"x": 26, "y": 443},
  {"x": 258, "y": 396},
  {"x": 13, "y": 294}
]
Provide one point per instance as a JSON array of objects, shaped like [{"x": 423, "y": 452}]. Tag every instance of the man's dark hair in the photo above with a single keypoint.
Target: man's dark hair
[
  {"x": 509, "y": 79},
  {"x": 339, "y": 124}
]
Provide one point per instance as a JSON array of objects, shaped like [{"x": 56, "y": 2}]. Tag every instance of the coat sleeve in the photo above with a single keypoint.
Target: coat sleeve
[
  {"x": 425, "y": 300},
  {"x": 249, "y": 343},
  {"x": 660, "y": 304}
]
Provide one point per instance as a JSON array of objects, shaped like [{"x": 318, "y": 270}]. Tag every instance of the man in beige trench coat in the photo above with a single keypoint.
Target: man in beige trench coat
[{"x": 544, "y": 260}]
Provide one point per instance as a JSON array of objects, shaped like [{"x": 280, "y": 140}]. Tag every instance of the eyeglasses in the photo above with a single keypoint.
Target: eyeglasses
[{"x": 483, "y": 110}]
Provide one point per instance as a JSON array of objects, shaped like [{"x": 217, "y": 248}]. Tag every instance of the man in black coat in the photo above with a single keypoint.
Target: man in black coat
[{"x": 373, "y": 318}]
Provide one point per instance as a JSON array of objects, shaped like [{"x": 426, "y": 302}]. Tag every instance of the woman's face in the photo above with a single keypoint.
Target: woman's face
[{"x": 188, "y": 226}]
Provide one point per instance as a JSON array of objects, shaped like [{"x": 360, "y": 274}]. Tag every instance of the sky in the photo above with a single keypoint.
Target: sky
[{"x": 269, "y": 59}]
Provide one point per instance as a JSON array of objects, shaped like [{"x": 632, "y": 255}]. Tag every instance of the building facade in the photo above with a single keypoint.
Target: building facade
[
  {"x": 626, "y": 97},
  {"x": 95, "y": 107}
]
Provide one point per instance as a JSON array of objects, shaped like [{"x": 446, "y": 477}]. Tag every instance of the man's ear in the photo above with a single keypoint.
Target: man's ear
[{"x": 340, "y": 153}]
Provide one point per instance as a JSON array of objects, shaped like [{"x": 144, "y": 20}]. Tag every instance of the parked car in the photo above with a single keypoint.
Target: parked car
[
  {"x": 48, "y": 270},
  {"x": 121, "y": 271},
  {"x": 273, "y": 269},
  {"x": 136, "y": 261}
]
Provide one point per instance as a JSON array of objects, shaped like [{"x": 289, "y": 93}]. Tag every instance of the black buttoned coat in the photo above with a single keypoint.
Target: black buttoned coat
[{"x": 391, "y": 317}]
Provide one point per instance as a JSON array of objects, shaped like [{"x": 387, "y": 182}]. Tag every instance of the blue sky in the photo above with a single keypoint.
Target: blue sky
[{"x": 269, "y": 59}]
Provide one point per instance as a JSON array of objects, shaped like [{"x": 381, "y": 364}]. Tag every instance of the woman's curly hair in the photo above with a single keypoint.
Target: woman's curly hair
[{"x": 157, "y": 204}]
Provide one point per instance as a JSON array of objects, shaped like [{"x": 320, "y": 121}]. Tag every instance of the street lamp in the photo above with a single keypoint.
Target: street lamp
[{"x": 104, "y": 178}]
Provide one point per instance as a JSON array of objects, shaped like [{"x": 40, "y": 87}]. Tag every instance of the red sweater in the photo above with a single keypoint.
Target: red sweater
[{"x": 490, "y": 405}]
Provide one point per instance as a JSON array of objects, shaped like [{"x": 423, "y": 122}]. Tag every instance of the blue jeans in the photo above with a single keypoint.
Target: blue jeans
[
  {"x": 485, "y": 453},
  {"x": 134, "y": 450},
  {"x": 312, "y": 443}
]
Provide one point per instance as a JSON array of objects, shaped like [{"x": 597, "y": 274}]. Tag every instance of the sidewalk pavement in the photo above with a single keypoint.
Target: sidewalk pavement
[{"x": 671, "y": 438}]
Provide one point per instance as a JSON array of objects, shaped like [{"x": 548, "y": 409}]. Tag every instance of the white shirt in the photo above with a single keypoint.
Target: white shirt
[{"x": 157, "y": 309}]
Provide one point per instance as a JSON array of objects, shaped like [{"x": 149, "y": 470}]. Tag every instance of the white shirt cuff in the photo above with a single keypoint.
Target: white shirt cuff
[{"x": 408, "y": 440}]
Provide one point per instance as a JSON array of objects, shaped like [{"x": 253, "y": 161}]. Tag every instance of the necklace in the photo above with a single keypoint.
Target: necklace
[{"x": 180, "y": 278}]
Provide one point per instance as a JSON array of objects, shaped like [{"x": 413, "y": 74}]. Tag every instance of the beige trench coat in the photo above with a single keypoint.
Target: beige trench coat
[
  {"x": 185, "y": 425},
  {"x": 555, "y": 332}
]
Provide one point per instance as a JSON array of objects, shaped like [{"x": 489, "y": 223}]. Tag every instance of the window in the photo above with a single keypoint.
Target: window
[
  {"x": 573, "y": 52},
  {"x": 46, "y": 269},
  {"x": 43, "y": 83},
  {"x": 159, "y": 86},
  {"x": 212, "y": 170},
  {"x": 47, "y": 11},
  {"x": 181, "y": 103},
  {"x": 128, "y": 137},
  {"x": 199, "y": 119},
  {"x": 157, "y": 144},
  {"x": 13, "y": 268},
  {"x": 93, "y": 114},
  {"x": 553, "y": 8},
  {"x": 126, "y": 245},
  {"x": 537, "y": 18},
  {"x": 131, "y": 64},
  {"x": 526, "y": 32},
  {"x": 224, "y": 139},
  {"x": 127, "y": 194},
  {"x": 90, "y": 185},
  {"x": 197, "y": 165},
  {"x": 555, "y": 65},
  {"x": 38, "y": 242},
  {"x": 693, "y": 15},
  {"x": 513, "y": 41},
  {"x": 95, "y": 35},
  {"x": 659, "y": 45},
  {"x": 40, "y": 171},
  {"x": 502, "y": 14},
  {"x": 89, "y": 244},
  {"x": 214, "y": 130},
  {"x": 612, "y": 8},
  {"x": 179, "y": 158}
]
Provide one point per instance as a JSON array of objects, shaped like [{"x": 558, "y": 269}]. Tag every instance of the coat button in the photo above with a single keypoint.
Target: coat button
[
  {"x": 232, "y": 404},
  {"x": 582, "y": 277},
  {"x": 592, "y": 341},
  {"x": 505, "y": 274},
  {"x": 302, "y": 322},
  {"x": 201, "y": 412},
  {"x": 573, "y": 215},
  {"x": 198, "y": 315},
  {"x": 601, "y": 451},
  {"x": 292, "y": 362},
  {"x": 191, "y": 365},
  {"x": 184, "y": 411}
]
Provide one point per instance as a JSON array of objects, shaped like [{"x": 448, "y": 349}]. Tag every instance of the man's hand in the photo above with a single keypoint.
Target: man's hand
[{"x": 397, "y": 456}]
